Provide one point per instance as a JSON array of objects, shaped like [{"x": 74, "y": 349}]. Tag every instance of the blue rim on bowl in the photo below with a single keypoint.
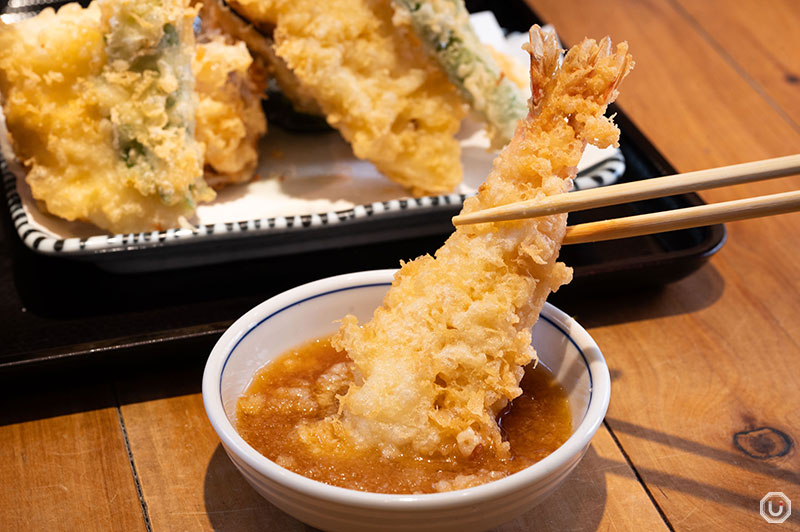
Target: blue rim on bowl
[{"x": 233, "y": 442}]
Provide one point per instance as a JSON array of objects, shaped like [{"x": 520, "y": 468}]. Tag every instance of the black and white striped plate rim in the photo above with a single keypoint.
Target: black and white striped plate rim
[{"x": 603, "y": 173}]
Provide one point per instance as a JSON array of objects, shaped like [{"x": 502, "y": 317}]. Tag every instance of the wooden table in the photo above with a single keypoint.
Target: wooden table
[{"x": 705, "y": 372}]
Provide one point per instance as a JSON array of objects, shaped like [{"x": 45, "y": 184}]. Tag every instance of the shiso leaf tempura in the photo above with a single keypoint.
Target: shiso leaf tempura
[{"x": 445, "y": 352}]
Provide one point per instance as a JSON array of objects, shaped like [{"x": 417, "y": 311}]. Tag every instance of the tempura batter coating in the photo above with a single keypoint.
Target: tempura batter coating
[
  {"x": 375, "y": 84},
  {"x": 230, "y": 121},
  {"x": 445, "y": 28},
  {"x": 100, "y": 109},
  {"x": 218, "y": 14},
  {"x": 445, "y": 351}
]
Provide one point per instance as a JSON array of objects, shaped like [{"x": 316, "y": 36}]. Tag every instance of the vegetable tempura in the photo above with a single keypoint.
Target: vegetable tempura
[
  {"x": 229, "y": 84},
  {"x": 374, "y": 83},
  {"x": 100, "y": 109},
  {"x": 444, "y": 27},
  {"x": 445, "y": 352}
]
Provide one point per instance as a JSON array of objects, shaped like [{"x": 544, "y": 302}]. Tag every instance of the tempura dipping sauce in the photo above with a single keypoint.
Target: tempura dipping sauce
[{"x": 301, "y": 386}]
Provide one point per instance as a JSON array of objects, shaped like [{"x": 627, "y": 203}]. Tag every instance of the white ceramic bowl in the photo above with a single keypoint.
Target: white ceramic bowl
[{"x": 310, "y": 311}]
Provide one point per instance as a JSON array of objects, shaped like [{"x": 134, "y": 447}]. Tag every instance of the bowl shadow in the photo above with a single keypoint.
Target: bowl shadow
[
  {"x": 232, "y": 504},
  {"x": 561, "y": 510}
]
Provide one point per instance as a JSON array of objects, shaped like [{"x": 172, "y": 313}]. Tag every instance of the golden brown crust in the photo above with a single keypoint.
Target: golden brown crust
[
  {"x": 216, "y": 14},
  {"x": 445, "y": 351},
  {"x": 94, "y": 128},
  {"x": 374, "y": 83},
  {"x": 230, "y": 121}
]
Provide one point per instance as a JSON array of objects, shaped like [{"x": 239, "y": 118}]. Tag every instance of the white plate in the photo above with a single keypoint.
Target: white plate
[
  {"x": 330, "y": 199},
  {"x": 312, "y": 193}
]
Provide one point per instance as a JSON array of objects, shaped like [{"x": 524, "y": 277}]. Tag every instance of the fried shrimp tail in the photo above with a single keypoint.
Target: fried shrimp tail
[{"x": 446, "y": 350}]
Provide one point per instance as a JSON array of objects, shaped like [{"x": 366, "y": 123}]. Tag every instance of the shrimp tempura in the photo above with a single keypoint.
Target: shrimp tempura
[{"x": 445, "y": 352}]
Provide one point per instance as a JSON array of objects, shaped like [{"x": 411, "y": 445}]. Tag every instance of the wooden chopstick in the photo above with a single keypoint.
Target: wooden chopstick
[
  {"x": 658, "y": 222},
  {"x": 637, "y": 190}
]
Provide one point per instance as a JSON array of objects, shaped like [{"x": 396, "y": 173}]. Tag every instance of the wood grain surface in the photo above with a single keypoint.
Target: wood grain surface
[
  {"x": 187, "y": 480},
  {"x": 719, "y": 357},
  {"x": 202, "y": 490},
  {"x": 759, "y": 38},
  {"x": 63, "y": 461},
  {"x": 704, "y": 415}
]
